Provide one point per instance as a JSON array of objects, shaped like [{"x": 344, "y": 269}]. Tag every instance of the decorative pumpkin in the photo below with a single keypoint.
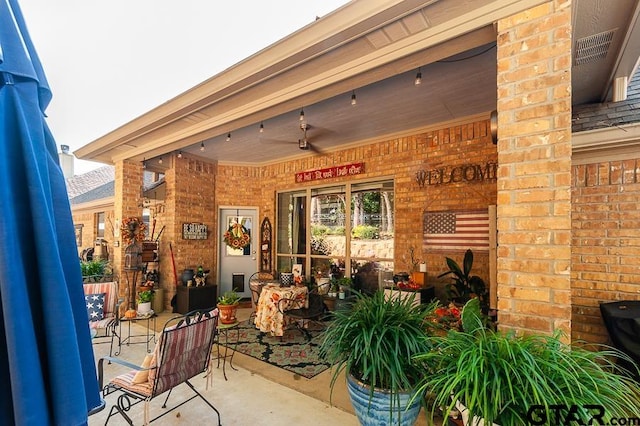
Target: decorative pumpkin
[{"x": 130, "y": 313}]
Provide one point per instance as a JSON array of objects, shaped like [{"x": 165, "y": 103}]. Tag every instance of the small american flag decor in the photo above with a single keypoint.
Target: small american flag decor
[{"x": 456, "y": 230}]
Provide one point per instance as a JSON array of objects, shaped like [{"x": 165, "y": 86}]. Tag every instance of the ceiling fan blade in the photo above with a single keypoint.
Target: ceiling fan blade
[{"x": 275, "y": 141}]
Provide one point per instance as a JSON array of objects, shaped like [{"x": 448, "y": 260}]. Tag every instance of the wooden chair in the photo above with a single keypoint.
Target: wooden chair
[
  {"x": 182, "y": 352},
  {"x": 104, "y": 328}
]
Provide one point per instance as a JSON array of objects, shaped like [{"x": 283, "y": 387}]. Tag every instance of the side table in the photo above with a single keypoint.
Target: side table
[
  {"x": 223, "y": 331},
  {"x": 149, "y": 336}
]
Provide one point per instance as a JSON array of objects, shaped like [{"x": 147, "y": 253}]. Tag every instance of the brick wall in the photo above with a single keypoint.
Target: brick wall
[
  {"x": 606, "y": 242},
  {"x": 400, "y": 159},
  {"x": 534, "y": 175}
]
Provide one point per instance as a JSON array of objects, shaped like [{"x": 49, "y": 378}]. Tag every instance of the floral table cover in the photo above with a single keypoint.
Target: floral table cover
[{"x": 268, "y": 317}]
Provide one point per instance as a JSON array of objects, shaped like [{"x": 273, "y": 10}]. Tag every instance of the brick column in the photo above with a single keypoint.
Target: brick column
[
  {"x": 127, "y": 202},
  {"x": 534, "y": 175}
]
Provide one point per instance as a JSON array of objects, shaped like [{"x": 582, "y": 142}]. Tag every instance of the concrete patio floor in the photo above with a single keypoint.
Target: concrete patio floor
[{"x": 256, "y": 394}]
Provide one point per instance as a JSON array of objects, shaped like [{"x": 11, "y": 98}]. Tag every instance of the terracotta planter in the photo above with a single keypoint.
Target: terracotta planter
[{"x": 228, "y": 313}]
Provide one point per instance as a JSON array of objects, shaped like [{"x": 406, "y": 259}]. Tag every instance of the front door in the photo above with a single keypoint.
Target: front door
[{"x": 237, "y": 260}]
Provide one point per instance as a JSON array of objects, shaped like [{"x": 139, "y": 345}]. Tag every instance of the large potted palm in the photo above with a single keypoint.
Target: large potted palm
[
  {"x": 374, "y": 342},
  {"x": 507, "y": 379}
]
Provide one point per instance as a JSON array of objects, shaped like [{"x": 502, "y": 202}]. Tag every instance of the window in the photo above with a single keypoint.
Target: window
[
  {"x": 100, "y": 218},
  {"x": 340, "y": 230}
]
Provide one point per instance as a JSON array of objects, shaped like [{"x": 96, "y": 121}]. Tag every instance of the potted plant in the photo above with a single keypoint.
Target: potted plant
[
  {"x": 228, "y": 306},
  {"x": 507, "y": 379},
  {"x": 374, "y": 342},
  {"x": 144, "y": 301},
  {"x": 98, "y": 270},
  {"x": 465, "y": 286}
]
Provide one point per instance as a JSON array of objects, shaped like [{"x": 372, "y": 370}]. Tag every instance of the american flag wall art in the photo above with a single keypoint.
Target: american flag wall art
[{"x": 456, "y": 230}]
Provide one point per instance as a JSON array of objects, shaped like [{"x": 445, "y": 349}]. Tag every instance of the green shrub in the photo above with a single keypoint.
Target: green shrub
[
  {"x": 319, "y": 230},
  {"x": 365, "y": 232}
]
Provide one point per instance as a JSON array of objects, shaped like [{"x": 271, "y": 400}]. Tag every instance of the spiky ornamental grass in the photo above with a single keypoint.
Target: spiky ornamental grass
[
  {"x": 499, "y": 377},
  {"x": 376, "y": 340}
]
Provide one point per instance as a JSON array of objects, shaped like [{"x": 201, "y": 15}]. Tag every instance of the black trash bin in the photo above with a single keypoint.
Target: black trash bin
[{"x": 622, "y": 320}]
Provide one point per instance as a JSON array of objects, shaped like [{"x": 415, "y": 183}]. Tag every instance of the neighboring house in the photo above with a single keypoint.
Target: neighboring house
[
  {"x": 91, "y": 196},
  {"x": 92, "y": 204}
]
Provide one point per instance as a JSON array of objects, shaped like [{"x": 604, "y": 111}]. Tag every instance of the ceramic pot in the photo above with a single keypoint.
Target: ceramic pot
[
  {"x": 187, "y": 275},
  {"x": 144, "y": 307},
  {"x": 286, "y": 279},
  {"x": 228, "y": 313},
  {"x": 378, "y": 411}
]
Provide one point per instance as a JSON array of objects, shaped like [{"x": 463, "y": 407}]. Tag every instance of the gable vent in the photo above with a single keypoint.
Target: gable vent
[{"x": 593, "y": 48}]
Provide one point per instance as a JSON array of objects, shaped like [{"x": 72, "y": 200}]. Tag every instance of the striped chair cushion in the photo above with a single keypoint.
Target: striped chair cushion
[{"x": 124, "y": 381}]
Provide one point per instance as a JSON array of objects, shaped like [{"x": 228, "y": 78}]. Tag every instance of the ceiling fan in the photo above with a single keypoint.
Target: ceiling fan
[{"x": 303, "y": 142}]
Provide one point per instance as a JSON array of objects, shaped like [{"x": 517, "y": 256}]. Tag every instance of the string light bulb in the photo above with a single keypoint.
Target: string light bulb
[
  {"x": 160, "y": 160},
  {"x": 302, "y": 114},
  {"x": 418, "y": 80},
  {"x": 228, "y": 136},
  {"x": 261, "y": 127},
  {"x": 353, "y": 98},
  {"x": 202, "y": 146},
  {"x": 144, "y": 163},
  {"x": 179, "y": 154}
]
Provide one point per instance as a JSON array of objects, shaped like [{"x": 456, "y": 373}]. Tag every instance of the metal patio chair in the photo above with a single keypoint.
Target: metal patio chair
[
  {"x": 313, "y": 313},
  {"x": 182, "y": 352}
]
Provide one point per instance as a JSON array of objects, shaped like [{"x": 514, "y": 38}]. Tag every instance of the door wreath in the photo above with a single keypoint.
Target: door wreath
[{"x": 237, "y": 236}]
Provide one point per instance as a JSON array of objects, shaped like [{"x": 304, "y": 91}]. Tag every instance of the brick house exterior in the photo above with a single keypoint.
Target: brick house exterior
[{"x": 567, "y": 214}]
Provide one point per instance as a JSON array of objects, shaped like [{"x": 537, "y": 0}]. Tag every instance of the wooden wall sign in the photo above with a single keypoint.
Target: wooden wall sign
[
  {"x": 194, "y": 231},
  {"x": 265, "y": 245},
  {"x": 330, "y": 172}
]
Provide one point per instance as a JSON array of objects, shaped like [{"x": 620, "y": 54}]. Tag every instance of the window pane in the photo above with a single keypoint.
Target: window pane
[
  {"x": 100, "y": 224},
  {"x": 372, "y": 220},
  {"x": 292, "y": 223},
  {"x": 328, "y": 222}
]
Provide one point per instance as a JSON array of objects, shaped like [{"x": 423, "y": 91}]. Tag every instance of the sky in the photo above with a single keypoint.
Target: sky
[{"x": 108, "y": 62}]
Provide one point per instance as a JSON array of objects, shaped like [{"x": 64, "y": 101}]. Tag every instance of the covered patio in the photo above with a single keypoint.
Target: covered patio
[{"x": 412, "y": 89}]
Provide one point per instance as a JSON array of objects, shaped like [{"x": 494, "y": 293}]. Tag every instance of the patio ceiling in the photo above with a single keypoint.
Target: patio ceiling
[{"x": 372, "y": 51}]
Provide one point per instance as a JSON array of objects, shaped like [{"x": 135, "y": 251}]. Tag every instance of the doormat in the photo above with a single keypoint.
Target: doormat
[{"x": 297, "y": 352}]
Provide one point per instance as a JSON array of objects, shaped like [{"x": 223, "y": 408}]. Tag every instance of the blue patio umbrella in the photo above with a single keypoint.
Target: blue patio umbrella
[{"x": 47, "y": 368}]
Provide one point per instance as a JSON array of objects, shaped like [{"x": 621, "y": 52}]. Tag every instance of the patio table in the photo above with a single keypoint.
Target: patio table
[{"x": 268, "y": 317}]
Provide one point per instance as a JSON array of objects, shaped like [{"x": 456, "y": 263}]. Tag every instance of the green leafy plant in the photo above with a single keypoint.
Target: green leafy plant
[
  {"x": 93, "y": 267},
  {"x": 375, "y": 340},
  {"x": 366, "y": 232},
  {"x": 230, "y": 297},
  {"x": 465, "y": 286},
  {"x": 499, "y": 376},
  {"x": 145, "y": 296}
]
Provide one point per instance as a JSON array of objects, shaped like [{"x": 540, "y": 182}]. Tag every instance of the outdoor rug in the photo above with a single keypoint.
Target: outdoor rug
[{"x": 296, "y": 352}]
